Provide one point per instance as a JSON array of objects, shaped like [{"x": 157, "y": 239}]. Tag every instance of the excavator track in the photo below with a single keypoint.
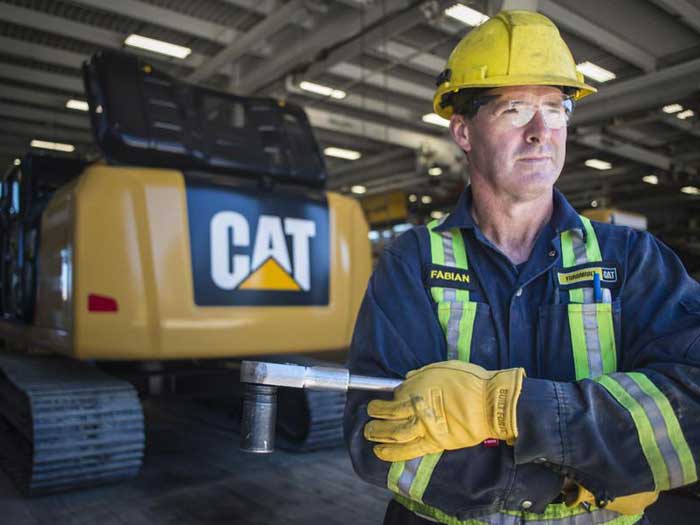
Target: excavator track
[{"x": 65, "y": 424}]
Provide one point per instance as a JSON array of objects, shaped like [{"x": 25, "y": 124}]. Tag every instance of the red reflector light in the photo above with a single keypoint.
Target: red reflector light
[
  {"x": 491, "y": 443},
  {"x": 101, "y": 303}
]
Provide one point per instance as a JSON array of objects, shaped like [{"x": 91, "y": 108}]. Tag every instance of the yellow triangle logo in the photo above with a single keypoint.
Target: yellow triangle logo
[{"x": 270, "y": 276}]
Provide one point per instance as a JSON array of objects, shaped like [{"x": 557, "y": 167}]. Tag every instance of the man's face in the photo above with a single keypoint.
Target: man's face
[{"x": 516, "y": 156}]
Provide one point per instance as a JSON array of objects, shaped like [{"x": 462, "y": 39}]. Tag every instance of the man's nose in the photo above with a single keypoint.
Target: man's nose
[{"x": 536, "y": 131}]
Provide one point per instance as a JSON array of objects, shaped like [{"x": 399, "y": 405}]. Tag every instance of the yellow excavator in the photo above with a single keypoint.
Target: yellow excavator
[{"x": 201, "y": 236}]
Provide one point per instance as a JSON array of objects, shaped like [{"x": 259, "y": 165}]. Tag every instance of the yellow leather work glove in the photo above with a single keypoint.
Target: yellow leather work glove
[
  {"x": 445, "y": 406},
  {"x": 628, "y": 505}
]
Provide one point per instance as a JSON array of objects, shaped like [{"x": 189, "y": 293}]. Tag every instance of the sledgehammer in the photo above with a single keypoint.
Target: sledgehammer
[{"x": 260, "y": 398}]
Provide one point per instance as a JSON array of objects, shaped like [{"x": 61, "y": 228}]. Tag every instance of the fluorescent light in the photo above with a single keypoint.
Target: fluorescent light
[
  {"x": 690, "y": 190},
  {"x": 17, "y": 162},
  {"x": 341, "y": 153},
  {"x": 435, "y": 171},
  {"x": 400, "y": 228},
  {"x": 594, "y": 204},
  {"x": 651, "y": 179},
  {"x": 56, "y": 146},
  {"x": 672, "y": 108},
  {"x": 466, "y": 15},
  {"x": 80, "y": 105},
  {"x": 373, "y": 235},
  {"x": 322, "y": 90},
  {"x": 597, "y": 73},
  {"x": 598, "y": 164},
  {"x": 412, "y": 197},
  {"x": 434, "y": 118},
  {"x": 685, "y": 114},
  {"x": 426, "y": 199},
  {"x": 358, "y": 190},
  {"x": 436, "y": 214},
  {"x": 157, "y": 46}
]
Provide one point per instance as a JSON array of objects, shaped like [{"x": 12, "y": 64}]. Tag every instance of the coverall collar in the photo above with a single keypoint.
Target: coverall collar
[{"x": 564, "y": 216}]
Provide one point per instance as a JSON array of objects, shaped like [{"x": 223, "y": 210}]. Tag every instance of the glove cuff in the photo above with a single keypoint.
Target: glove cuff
[{"x": 504, "y": 390}]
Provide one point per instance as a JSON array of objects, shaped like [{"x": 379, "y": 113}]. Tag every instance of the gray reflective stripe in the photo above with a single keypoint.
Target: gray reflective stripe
[
  {"x": 607, "y": 295},
  {"x": 452, "y": 335},
  {"x": 597, "y": 517},
  {"x": 579, "y": 246},
  {"x": 588, "y": 296},
  {"x": 449, "y": 294},
  {"x": 658, "y": 424},
  {"x": 590, "y": 329},
  {"x": 408, "y": 475}
]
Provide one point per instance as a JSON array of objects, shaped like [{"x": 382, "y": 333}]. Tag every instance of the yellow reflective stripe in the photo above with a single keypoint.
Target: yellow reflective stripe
[
  {"x": 466, "y": 329},
  {"x": 592, "y": 248},
  {"x": 560, "y": 514},
  {"x": 568, "y": 258},
  {"x": 578, "y": 341},
  {"x": 423, "y": 475},
  {"x": 673, "y": 426},
  {"x": 395, "y": 472},
  {"x": 645, "y": 431},
  {"x": 606, "y": 335}
]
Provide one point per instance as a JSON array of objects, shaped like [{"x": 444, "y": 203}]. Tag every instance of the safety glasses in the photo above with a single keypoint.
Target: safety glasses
[{"x": 518, "y": 111}]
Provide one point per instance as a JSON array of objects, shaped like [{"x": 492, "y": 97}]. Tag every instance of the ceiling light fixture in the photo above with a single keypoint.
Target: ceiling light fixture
[
  {"x": 685, "y": 114},
  {"x": 80, "y": 105},
  {"x": 437, "y": 214},
  {"x": 595, "y": 72},
  {"x": 342, "y": 153},
  {"x": 157, "y": 46},
  {"x": 412, "y": 197},
  {"x": 435, "y": 171},
  {"x": 651, "y": 179},
  {"x": 435, "y": 119},
  {"x": 426, "y": 199},
  {"x": 594, "y": 204},
  {"x": 466, "y": 15},
  {"x": 320, "y": 89},
  {"x": 55, "y": 146},
  {"x": 690, "y": 190},
  {"x": 598, "y": 164},
  {"x": 358, "y": 189},
  {"x": 672, "y": 108},
  {"x": 17, "y": 162}
]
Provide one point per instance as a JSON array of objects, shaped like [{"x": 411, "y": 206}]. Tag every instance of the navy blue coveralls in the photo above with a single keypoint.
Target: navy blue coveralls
[{"x": 567, "y": 428}]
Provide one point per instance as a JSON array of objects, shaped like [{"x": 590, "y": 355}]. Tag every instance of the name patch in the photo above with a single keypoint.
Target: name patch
[
  {"x": 583, "y": 275},
  {"x": 447, "y": 277}
]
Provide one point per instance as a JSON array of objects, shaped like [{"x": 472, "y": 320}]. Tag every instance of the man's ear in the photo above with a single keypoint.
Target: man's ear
[{"x": 460, "y": 132}]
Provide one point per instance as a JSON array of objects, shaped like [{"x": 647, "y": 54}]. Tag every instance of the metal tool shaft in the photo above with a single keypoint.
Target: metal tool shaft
[{"x": 260, "y": 402}]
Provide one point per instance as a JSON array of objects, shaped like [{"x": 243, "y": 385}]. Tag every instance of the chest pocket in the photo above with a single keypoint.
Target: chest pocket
[
  {"x": 591, "y": 314},
  {"x": 456, "y": 313}
]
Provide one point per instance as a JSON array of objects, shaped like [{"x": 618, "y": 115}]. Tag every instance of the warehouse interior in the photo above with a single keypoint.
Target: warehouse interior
[{"x": 364, "y": 72}]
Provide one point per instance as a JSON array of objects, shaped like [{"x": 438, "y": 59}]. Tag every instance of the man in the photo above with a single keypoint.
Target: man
[{"x": 550, "y": 363}]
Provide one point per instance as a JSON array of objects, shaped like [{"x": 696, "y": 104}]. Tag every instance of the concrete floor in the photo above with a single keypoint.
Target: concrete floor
[{"x": 194, "y": 474}]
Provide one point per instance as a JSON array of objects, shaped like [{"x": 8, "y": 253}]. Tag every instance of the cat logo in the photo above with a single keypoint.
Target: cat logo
[{"x": 269, "y": 265}]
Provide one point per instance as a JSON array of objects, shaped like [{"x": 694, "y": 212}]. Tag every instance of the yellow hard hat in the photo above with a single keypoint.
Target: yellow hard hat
[{"x": 514, "y": 48}]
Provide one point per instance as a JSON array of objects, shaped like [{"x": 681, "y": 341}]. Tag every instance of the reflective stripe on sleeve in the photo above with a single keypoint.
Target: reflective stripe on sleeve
[{"x": 659, "y": 432}]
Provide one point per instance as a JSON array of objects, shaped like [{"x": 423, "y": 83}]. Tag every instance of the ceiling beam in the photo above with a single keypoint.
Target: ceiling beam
[
  {"x": 242, "y": 45},
  {"x": 77, "y": 31},
  {"x": 332, "y": 29},
  {"x": 385, "y": 157},
  {"x": 688, "y": 13},
  {"x": 37, "y": 131},
  {"x": 445, "y": 151},
  {"x": 408, "y": 18},
  {"x": 32, "y": 96},
  {"x": 591, "y": 32},
  {"x": 689, "y": 127},
  {"x": 72, "y": 84},
  {"x": 642, "y": 92},
  {"x": 168, "y": 18},
  {"x": 617, "y": 147},
  {"x": 44, "y": 116}
]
